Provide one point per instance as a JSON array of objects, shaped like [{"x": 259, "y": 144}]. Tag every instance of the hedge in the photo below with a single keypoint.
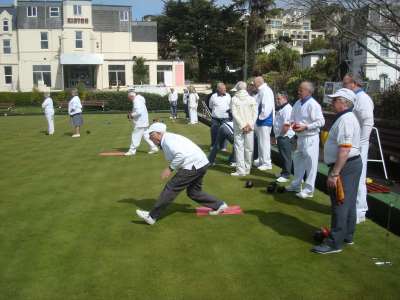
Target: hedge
[{"x": 115, "y": 100}]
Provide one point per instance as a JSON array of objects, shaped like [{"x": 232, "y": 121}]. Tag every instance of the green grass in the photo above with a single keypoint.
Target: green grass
[{"x": 68, "y": 228}]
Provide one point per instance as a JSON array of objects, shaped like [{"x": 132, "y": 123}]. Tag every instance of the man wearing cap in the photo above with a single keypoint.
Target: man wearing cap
[
  {"x": 244, "y": 112},
  {"x": 342, "y": 155},
  {"x": 306, "y": 120},
  {"x": 364, "y": 111},
  {"x": 266, "y": 110},
  {"x": 190, "y": 164},
  {"x": 140, "y": 118},
  {"x": 219, "y": 104}
]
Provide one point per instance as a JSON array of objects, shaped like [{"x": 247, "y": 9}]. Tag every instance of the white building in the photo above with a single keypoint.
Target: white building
[
  {"x": 291, "y": 24},
  {"x": 364, "y": 63},
  {"x": 59, "y": 44},
  {"x": 309, "y": 59}
]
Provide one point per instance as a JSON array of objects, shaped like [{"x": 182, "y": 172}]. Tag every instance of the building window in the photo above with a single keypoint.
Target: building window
[
  {"x": 384, "y": 51},
  {"x": 42, "y": 73},
  {"x": 5, "y": 26},
  {"x": 77, "y": 10},
  {"x": 7, "y": 46},
  {"x": 306, "y": 25},
  {"x": 44, "y": 40},
  {"x": 116, "y": 75},
  {"x": 78, "y": 40},
  {"x": 8, "y": 74},
  {"x": 124, "y": 15},
  {"x": 54, "y": 11},
  {"x": 161, "y": 71},
  {"x": 313, "y": 36},
  {"x": 31, "y": 11}
]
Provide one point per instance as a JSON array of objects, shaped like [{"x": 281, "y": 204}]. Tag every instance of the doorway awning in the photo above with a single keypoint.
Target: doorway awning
[{"x": 81, "y": 59}]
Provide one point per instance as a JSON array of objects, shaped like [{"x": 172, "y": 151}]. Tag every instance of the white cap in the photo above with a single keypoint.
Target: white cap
[
  {"x": 158, "y": 127},
  {"x": 344, "y": 93}
]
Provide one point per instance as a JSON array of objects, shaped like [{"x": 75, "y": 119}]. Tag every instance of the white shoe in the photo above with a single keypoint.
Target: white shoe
[
  {"x": 264, "y": 167},
  {"x": 224, "y": 150},
  {"x": 152, "y": 151},
  {"x": 171, "y": 118},
  {"x": 130, "y": 153},
  {"x": 256, "y": 163},
  {"x": 220, "y": 209},
  {"x": 145, "y": 216},
  {"x": 76, "y": 135},
  {"x": 282, "y": 179},
  {"x": 304, "y": 195},
  {"x": 233, "y": 165},
  {"x": 293, "y": 189},
  {"x": 237, "y": 174}
]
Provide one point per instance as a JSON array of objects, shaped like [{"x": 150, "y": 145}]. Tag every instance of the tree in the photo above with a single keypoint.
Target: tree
[
  {"x": 377, "y": 20},
  {"x": 317, "y": 44},
  {"x": 208, "y": 38},
  {"x": 258, "y": 12},
  {"x": 140, "y": 71}
]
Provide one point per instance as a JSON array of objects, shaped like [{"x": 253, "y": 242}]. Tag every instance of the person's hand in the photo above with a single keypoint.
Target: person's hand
[
  {"x": 331, "y": 182},
  {"x": 299, "y": 127},
  {"x": 166, "y": 173}
]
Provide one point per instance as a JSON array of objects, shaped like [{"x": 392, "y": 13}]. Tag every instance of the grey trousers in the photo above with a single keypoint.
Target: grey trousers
[
  {"x": 192, "y": 181},
  {"x": 285, "y": 146},
  {"x": 344, "y": 216}
]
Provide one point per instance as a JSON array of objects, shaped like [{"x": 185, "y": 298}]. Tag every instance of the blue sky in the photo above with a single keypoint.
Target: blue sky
[{"x": 140, "y": 7}]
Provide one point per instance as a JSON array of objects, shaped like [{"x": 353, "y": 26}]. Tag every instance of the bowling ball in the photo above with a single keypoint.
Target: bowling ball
[
  {"x": 249, "y": 184},
  {"x": 271, "y": 187},
  {"x": 280, "y": 189},
  {"x": 321, "y": 234},
  {"x": 87, "y": 131}
]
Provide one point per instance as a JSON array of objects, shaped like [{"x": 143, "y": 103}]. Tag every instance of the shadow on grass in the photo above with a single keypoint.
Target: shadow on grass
[
  {"x": 285, "y": 225},
  {"x": 256, "y": 182},
  {"x": 307, "y": 204},
  {"x": 68, "y": 133},
  {"x": 147, "y": 204}
]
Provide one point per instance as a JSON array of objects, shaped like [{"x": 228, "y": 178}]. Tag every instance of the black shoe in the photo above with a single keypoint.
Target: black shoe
[
  {"x": 325, "y": 249},
  {"x": 348, "y": 242}
]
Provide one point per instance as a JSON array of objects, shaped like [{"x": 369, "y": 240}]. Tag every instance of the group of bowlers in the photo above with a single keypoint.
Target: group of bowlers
[{"x": 345, "y": 151}]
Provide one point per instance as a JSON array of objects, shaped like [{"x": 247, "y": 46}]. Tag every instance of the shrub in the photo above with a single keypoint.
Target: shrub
[{"x": 388, "y": 107}]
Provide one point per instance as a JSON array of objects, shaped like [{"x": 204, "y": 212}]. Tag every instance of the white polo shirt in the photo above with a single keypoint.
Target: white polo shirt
[
  {"x": 364, "y": 111},
  {"x": 345, "y": 132},
  {"x": 47, "y": 106},
  {"x": 182, "y": 153},
  {"x": 139, "y": 112},
  {"x": 74, "y": 106},
  {"x": 265, "y": 99},
  {"x": 282, "y": 117},
  {"x": 219, "y": 105},
  {"x": 173, "y": 97},
  {"x": 308, "y": 112}
]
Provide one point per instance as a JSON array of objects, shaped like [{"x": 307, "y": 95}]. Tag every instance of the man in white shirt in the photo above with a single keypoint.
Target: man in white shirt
[
  {"x": 185, "y": 99},
  {"x": 140, "y": 119},
  {"x": 284, "y": 135},
  {"x": 342, "y": 155},
  {"x": 244, "y": 113},
  {"x": 306, "y": 120},
  {"x": 220, "y": 103},
  {"x": 364, "y": 111},
  {"x": 48, "y": 109},
  {"x": 75, "y": 112},
  {"x": 190, "y": 164},
  {"x": 266, "y": 110},
  {"x": 173, "y": 102}
]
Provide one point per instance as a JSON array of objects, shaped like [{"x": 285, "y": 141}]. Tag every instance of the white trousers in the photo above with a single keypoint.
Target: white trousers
[
  {"x": 362, "y": 205},
  {"x": 264, "y": 144},
  {"x": 50, "y": 123},
  {"x": 137, "y": 134},
  {"x": 244, "y": 146},
  {"x": 193, "y": 115},
  {"x": 305, "y": 161}
]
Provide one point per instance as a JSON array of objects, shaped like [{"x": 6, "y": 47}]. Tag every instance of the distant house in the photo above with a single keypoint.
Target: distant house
[{"x": 309, "y": 59}]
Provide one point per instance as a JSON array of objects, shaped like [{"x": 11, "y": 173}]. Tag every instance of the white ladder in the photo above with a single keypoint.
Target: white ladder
[{"x": 382, "y": 160}]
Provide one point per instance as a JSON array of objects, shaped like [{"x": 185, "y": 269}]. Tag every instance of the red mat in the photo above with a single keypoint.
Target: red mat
[
  {"x": 113, "y": 153},
  {"x": 377, "y": 188},
  {"x": 231, "y": 210}
]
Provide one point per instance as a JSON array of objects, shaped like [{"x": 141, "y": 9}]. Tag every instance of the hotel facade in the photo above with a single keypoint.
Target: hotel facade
[{"x": 59, "y": 44}]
